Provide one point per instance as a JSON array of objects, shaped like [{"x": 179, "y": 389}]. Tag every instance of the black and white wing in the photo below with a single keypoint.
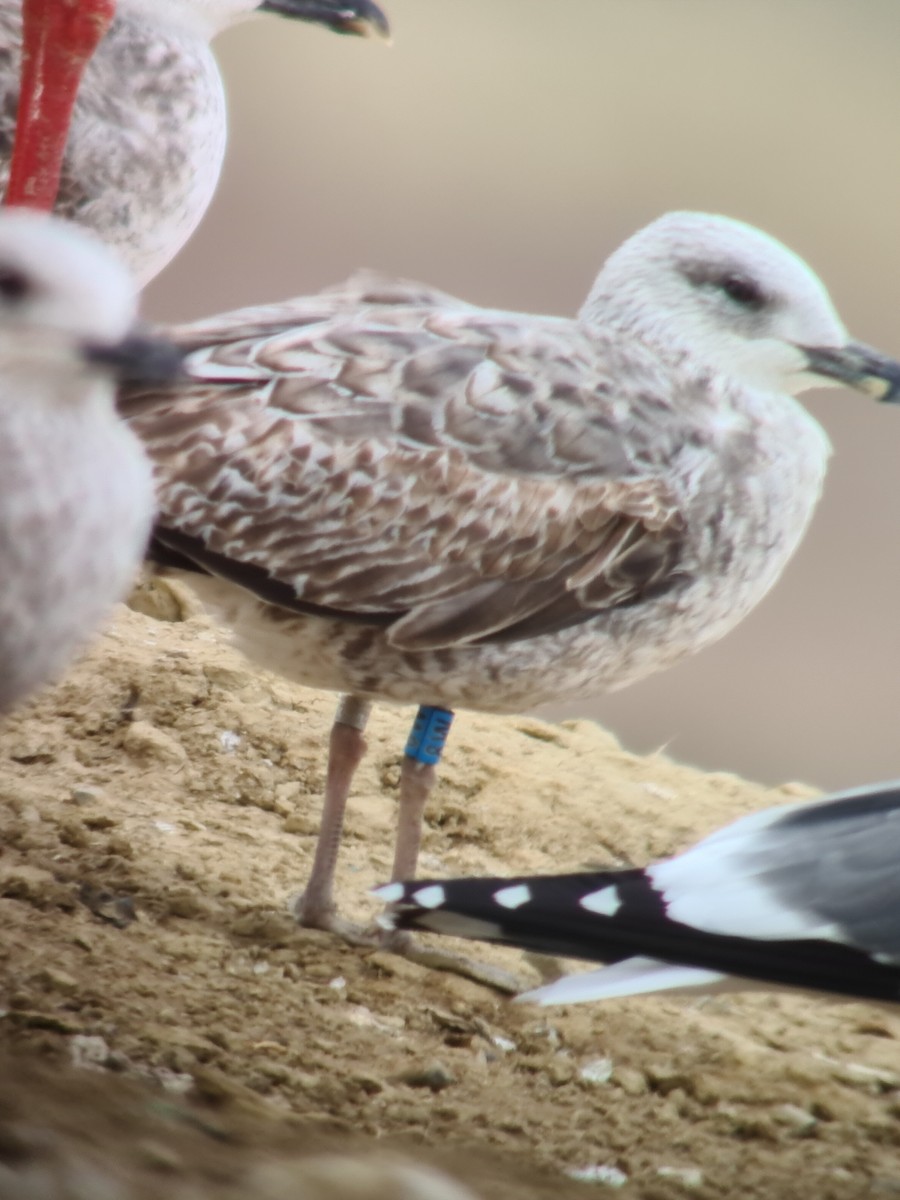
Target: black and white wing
[{"x": 801, "y": 896}]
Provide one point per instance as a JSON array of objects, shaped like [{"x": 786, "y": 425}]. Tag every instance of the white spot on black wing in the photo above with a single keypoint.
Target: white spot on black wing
[
  {"x": 432, "y": 896},
  {"x": 513, "y": 897},
  {"x": 606, "y": 902},
  {"x": 390, "y": 893}
]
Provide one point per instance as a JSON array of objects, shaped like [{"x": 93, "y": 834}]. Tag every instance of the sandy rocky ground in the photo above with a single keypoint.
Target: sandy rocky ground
[{"x": 168, "y": 1031}]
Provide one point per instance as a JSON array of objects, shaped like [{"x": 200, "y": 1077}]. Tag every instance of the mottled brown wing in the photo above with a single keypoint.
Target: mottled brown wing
[
  {"x": 362, "y": 291},
  {"x": 454, "y": 474}
]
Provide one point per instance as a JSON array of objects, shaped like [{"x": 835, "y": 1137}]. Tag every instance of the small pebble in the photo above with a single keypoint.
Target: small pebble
[
  {"x": 598, "y": 1070},
  {"x": 434, "y": 1076},
  {"x": 689, "y": 1177},
  {"x": 599, "y": 1173}
]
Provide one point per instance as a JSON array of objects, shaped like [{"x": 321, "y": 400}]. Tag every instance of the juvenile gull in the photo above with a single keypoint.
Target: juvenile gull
[
  {"x": 404, "y": 497},
  {"x": 76, "y": 490},
  {"x": 800, "y": 896},
  {"x": 148, "y": 132}
]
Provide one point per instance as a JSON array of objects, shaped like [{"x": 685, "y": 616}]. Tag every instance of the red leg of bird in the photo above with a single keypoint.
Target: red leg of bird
[{"x": 59, "y": 37}]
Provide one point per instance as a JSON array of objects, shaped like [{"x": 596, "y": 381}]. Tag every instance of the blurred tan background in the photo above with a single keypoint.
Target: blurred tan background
[{"x": 500, "y": 149}]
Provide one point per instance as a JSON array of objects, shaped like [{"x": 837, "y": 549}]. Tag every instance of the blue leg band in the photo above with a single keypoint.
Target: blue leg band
[{"x": 428, "y": 734}]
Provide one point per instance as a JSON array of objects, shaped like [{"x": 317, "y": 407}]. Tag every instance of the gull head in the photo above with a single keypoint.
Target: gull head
[
  {"x": 733, "y": 299},
  {"x": 67, "y": 304},
  {"x": 206, "y": 18}
]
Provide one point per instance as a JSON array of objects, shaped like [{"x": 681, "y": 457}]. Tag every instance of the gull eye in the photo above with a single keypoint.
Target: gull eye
[
  {"x": 14, "y": 284},
  {"x": 744, "y": 291}
]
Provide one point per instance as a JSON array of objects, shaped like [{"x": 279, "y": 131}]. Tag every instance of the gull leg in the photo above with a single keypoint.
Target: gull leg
[
  {"x": 316, "y": 907},
  {"x": 416, "y": 782},
  {"x": 418, "y": 775}
]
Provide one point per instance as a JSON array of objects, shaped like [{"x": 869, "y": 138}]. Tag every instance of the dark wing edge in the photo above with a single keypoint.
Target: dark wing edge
[{"x": 552, "y": 920}]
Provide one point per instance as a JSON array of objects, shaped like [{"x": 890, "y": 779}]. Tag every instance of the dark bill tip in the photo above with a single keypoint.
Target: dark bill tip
[
  {"x": 362, "y": 18},
  {"x": 138, "y": 358},
  {"x": 859, "y": 367}
]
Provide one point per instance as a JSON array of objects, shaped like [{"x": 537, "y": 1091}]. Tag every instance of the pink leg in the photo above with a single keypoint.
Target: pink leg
[
  {"x": 347, "y": 746},
  {"x": 59, "y": 37},
  {"x": 416, "y": 782}
]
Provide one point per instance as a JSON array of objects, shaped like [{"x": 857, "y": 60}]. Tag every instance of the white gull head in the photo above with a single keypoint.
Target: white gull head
[
  {"x": 733, "y": 299},
  {"x": 59, "y": 283},
  {"x": 67, "y": 310},
  {"x": 76, "y": 490}
]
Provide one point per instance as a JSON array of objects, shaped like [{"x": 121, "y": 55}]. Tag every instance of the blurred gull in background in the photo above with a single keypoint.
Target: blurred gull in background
[
  {"x": 76, "y": 493},
  {"x": 149, "y": 126}
]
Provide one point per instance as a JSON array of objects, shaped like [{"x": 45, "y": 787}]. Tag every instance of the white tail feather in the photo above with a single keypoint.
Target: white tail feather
[{"x": 632, "y": 977}]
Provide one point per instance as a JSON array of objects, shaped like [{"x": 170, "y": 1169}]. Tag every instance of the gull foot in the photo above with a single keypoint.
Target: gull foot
[
  {"x": 326, "y": 917},
  {"x": 401, "y": 942}
]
